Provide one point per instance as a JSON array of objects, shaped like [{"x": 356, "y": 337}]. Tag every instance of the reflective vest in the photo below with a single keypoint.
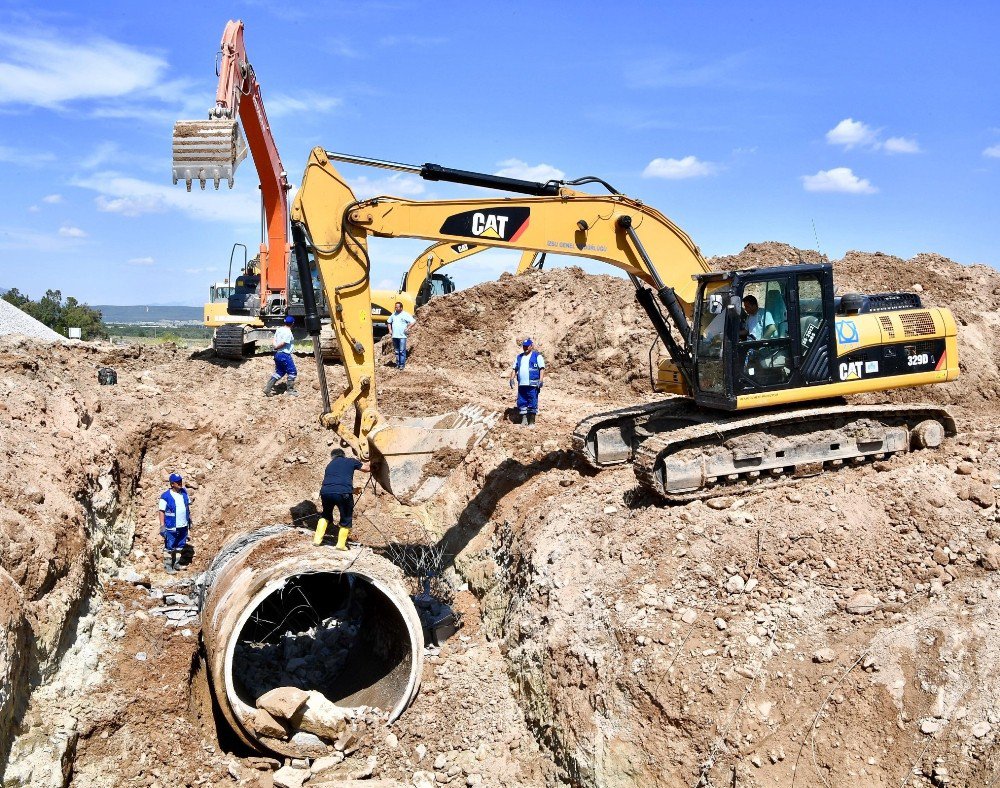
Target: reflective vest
[
  {"x": 534, "y": 373},
  {"x": 170, "y": 515}
]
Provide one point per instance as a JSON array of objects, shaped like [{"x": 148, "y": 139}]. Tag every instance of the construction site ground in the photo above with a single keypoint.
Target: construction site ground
[{"x": 844, "y": 631}]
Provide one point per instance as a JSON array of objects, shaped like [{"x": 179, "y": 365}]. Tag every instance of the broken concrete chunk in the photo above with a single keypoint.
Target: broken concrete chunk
[
  {"x": 287, "y": 777},
  {"x": 283, "y": 702},
  {"x": 321, "y": 716},
  {"x": 824, "y": 655},
  {"x": 862, "y": 603},
  {"x": 264, "y": 724}
]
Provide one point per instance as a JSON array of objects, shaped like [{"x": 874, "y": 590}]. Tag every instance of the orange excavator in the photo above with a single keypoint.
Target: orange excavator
[{"x": 268, "y": 287}]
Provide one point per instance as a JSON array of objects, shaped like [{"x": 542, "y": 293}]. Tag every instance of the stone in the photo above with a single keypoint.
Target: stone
[
  {"x": 423, "y": 780},
  {"x": 719, "y": 503},
  {"x": 981, "y": 729},
  {"x": 141, "y": 656},
  {"x": 421, "y": 751},
  {"x": 326, "y": 762},
  {"x": 287, "y": 777},
  {"x": 824, "y": 655},
  {"x": 283, "y": 702},
  {"x": 392, "y": 741},
  {"x": 266, "y": 725},
  {"x": 941, "y": 557},
  {"x": 321, "y": 716},
  {"x": 930, "y": 726},
  {"x": 982, "y": 494},
  {"x": 366, "y": 771},
  {"x": 440, "y": 762},
  {"x": 862, "y": 603},
  {"x": 720, "y": 624},
  {"x": 990, "y": 558},
  {"x": 689, "y": 616},
  {"x": 965, "y": 469},
  {"x": 735, "y": 584}
]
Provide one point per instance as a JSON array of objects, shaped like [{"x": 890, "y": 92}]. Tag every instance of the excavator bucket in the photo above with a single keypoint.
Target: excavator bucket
[
  {"x": 207, "y": 150},
  {"x": 415, "y": 456}
]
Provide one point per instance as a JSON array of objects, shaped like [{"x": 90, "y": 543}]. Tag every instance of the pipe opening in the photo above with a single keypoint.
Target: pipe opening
[{"x": 333, "y": 632}]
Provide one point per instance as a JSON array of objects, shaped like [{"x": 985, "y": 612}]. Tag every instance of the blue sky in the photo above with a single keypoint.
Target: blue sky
[{"x": 879, "y": 123}]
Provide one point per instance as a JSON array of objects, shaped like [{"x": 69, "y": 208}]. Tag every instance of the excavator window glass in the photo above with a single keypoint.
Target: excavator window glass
[
  {"x": 764, "y": 357},
  {"x": 810, "y": 311},
  {"x": 711, "y": 338}
]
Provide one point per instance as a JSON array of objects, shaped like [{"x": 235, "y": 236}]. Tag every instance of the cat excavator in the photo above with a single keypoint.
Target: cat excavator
[{"x": 756, "y": 400}]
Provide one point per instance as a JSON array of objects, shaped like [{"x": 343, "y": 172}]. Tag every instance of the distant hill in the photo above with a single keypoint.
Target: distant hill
[{"x": 148, "y": 314}]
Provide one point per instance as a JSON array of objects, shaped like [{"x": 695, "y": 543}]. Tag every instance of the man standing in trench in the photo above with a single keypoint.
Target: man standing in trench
[
  {"x": 338, "y": 491},
  {"x": 174, "y": 512},
  {"x": 529, "y": 373}
]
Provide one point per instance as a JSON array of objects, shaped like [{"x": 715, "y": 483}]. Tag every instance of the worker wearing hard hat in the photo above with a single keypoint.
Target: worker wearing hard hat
[
  {"x": 284, "y": 364},
  {"x": 529, "y": 373}
]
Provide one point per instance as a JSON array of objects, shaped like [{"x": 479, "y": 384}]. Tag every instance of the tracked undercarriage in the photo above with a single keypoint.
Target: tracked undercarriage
[
  {"x": 681, "y": 452},
  {"x": 236, "y": 342}
]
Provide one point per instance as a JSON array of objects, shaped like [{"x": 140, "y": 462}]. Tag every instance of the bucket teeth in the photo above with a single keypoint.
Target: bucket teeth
[{"x": 207, "y": 150}]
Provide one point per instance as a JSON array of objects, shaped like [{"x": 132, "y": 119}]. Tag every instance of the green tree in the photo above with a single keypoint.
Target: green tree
[{"x": 60, "y": 315}]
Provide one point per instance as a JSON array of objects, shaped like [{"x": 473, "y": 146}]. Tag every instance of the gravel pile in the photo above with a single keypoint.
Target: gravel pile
[{"x": 14, "y": 321}]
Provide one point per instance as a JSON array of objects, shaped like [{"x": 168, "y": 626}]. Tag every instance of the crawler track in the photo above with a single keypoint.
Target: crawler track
[
  {"x": 229, "y": 341},
  {"x": 682, "y": 453}
]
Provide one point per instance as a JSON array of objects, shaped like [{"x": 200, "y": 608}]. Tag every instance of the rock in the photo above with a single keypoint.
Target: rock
[
  {"x": 309, "y": 744},
  {"x": 720, "y": 624},
  {"x": 941, "y": 557},
  {"x": 990, "y": 558},
  {"x": 366, "y": 771},
  {"x": 862, "y": 603},
  {"x": 735, "y": 584},
  {"x": 266, "y": 725},
  {"x": 287, "y": 777},
  {"x": 965, "y": 469},
  {"x": 982, "y": 494},
  {"x": 346, "y": 743},
  {"x": 756, "y": 761},
  {"x": 610, "y": 509},
  {"x": 141, "y": 656},
  {"x": 739, "y": 518},
  {"x": 326, "y": 762},
  {"x": 392, "y": 741},
  {"x": 796, "y": 611},
  {"x": 321, "y": 716},
  {"x": 440, "y": 762},
  {"x": 981, "y": 729},
  {"x": 689, "y": 616},
  {"x": 930, "y": 726},
  {"x": 824, "y": 655},
  {"x": 283, "y": 702},
  {"x": 719, "y": 503},
  {"x": 421, "y": 751},
  {"x": 423, "y": 780}
]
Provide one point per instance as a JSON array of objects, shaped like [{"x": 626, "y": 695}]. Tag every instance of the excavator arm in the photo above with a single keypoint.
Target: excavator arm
[{"x": 330, "y": 223}]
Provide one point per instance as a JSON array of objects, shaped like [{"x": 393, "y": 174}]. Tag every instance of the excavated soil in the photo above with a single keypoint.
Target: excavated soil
[{"x": 840, "y": 632}]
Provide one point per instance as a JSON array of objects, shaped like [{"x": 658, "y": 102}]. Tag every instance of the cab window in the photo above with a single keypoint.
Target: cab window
[
  {"x": 764, "y": 353},
  {"x": 711, "y": 337}
]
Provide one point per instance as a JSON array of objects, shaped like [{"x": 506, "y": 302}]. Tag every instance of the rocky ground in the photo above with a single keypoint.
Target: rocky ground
[{"x": 840, "y": 632}]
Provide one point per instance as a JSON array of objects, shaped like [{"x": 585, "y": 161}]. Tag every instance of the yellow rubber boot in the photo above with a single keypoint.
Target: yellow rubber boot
[
  {"x": 320, "y": 531},
  {"x": 342, "y": 538}
]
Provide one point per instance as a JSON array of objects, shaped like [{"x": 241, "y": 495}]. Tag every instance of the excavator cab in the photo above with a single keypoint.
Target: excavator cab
[
  {"x": 434, "y": 285},
  {"x": 763, "y": 331}
]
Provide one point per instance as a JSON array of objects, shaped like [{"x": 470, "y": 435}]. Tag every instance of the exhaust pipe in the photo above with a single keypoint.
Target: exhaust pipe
[{"x": 340, "y": 626}]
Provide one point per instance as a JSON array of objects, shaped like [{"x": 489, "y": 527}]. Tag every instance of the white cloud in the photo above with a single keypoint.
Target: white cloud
[
  {"x": 43, "y": 71},
  {"x": 397, "y": 185},
  {"x": 901, "y": 145},
  {"x": 677, "y": 169},
  {"x": 839, "y": 179},
  {"x": 68, "y": 231},
  {"x": 34, "y": 208},
  {"x": 992, "y": 152},
  {"x": 52, "y": 199},
  {"x": 17, "y": 238},
  {"x": 141, "y": 261},
  {"x": 134, "y": 197},
  {"x": 281, "y": 104},
  {"x": 851, "y": 133},
  {"x": 386, "y": 284},
  {"x": 515, "y": 168},
  {"x": 23, "y": 157}
]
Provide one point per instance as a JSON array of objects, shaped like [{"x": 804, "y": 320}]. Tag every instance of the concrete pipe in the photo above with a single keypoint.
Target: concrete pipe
[{"x": 270, "y": 594}]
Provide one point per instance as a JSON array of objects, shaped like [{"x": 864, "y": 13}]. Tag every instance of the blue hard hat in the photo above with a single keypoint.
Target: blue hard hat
[
  {"x": 175, "y": 477},
  {"x": 526, "y": 342},
  {"x": 289, "y": 320}
]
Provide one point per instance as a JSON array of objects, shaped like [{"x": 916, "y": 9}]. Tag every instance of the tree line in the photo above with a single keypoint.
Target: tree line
[{"x": 60, "y": 314}]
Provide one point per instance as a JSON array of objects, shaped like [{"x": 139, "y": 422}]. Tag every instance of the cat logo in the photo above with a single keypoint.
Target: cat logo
[
  {"x": 462, "y": 248},
  {"x": 851, "y": 370},
  {"x": 500, "y": 223}
]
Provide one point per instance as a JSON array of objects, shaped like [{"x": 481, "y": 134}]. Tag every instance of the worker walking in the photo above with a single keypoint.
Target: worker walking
[
  {"x": 174, "y": 512},
  {"x": 284, "y": 364},
  {"x": 399, "y": 323},
  {"x": 338, "y": 491},
  {"x": 529, "y": 372}
]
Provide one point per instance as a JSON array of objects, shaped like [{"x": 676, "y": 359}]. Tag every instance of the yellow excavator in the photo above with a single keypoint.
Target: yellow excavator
[{"x": 757, "y": 360}]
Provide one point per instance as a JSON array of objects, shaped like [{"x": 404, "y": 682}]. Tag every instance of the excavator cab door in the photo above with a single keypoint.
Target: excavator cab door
[
  {"x": 784, "y": 338},
  {"x": 434, "y": 285}
]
